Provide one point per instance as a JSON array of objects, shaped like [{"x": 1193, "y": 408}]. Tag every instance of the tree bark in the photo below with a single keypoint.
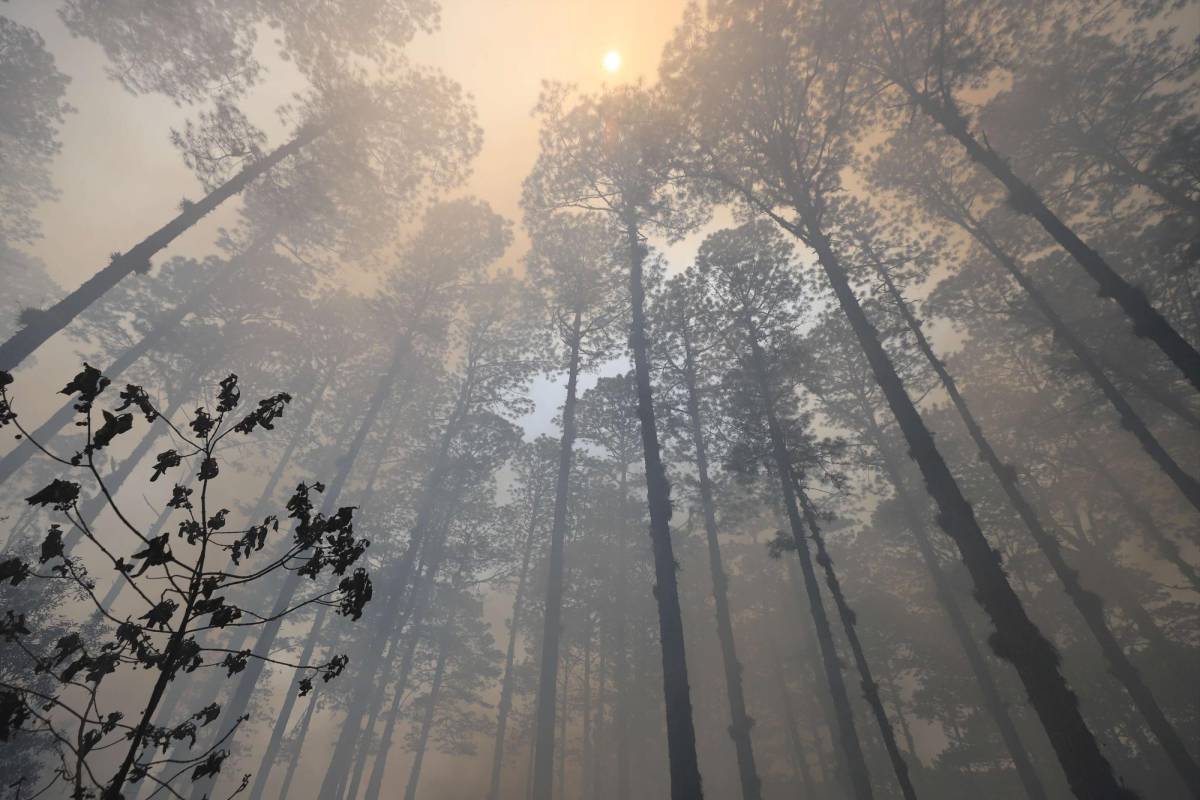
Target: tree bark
[
  {"x": 1147, "y": 321},
  {"x": 25, "y": 341},
  {"x": 740, "y": 721},
  {"x": 681, "y": 734},
  {"x": 1016, "y": 639},
  {"x": 1089, "y": 604},
  {"x": 543, "y": 761}
]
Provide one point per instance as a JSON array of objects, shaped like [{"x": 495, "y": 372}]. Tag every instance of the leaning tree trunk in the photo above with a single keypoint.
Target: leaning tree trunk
[
  {"x": 435, "y": 692},
  {"x": 1016, "y": 639},
  {"x": 740, "y": 722},
  {"x": 850, "y": 626},
  {"x": 1147, "y": 321},
  {"x": 993, "y": 702},
  {"x": 297, "y": 747},
  {"x": 1131, "y": 420},
  {"x": 52, "y": 320},
  {"x": 506, "y": 683},
  {"x": 681, "y": 733},
  {"x": 855, "y": 761},
  {"x": 1089, "y": 604},
  {"x": 543, "y": 760},
  {"x": 163, "y": 325}
]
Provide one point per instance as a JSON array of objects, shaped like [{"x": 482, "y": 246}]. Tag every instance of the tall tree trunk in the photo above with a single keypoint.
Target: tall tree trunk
[
  {"x": 543, "y": 763},
  {"x": 621, "y": 685},
  {"x": 851, "y": 747},
  {"x": 1017, "y": 639},
  {"x": 850, "y": 625},
  {"x": 1147, "y": 321},
  {"x": 52, "y": 320},
  {"x": 982, "y": 673},
  {"x": 740, "y": 722},
  {"x": 435, "y": 692},
  {"x": 1089, "y": 604},
  {"x": 506, "y": 682},
  {"x": 1130, "y": 419},
  {"x": 681, "y": 734}
]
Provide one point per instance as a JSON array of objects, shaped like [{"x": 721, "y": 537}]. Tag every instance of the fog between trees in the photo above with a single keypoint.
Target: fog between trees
[{"x": 813, "y": 414}]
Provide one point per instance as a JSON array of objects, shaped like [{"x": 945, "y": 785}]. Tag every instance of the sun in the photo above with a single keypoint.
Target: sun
[{"x": 611, "y": 61}]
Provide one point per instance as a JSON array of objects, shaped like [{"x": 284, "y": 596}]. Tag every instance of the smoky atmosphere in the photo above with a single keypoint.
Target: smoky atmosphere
[{"x": 600, "y": 400}]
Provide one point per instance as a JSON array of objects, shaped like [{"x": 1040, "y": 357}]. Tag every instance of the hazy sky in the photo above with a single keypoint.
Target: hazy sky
[{"x": 120, "y": 178}]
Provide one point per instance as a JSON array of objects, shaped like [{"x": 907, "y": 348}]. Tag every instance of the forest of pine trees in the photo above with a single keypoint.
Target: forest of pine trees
[{"x": 814, "y": 415}]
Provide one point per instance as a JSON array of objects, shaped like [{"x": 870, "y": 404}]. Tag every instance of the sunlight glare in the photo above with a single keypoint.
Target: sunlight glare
[{"x": 612, "y": 61}]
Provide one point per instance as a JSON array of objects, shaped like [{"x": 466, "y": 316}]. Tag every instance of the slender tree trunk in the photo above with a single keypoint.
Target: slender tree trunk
[
  {"x": 1130, "y": 419},
  {"x": 1142, "y": 517},
  {"x": 25, "y": 341},
  {"x": 850, "y": 625},
  {"x": 681, "y": 734},
  {"x": 894, "y": 692},
  {"x": 980, "y": 670},
  {"x": 799, "y": 758},
  {"x": 1174, "y": 195},
  {"x": 1150, "y": 387},
  {"x": 585, "y": 756},
  {"x": 851, "y": 747},
  {"x": 506, "y": 683},
  {"x": 562, "y": 733},
  {"x": 362, "y": 751},
  {"x": 595, "y": 789},
  {"x": 435, "y": 692},
  {"x": 1147, "y": 321},
  {"x": 820, "y": 700},
  {"x": 543, "y": 763},
  {"x": 621, "y": 646},
  {"x": 1017, "y": 639},
  {"x": 298, "y": 747},
  {"x": 740, "y": 722},
  {"x": 1089, "y": 604}
]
